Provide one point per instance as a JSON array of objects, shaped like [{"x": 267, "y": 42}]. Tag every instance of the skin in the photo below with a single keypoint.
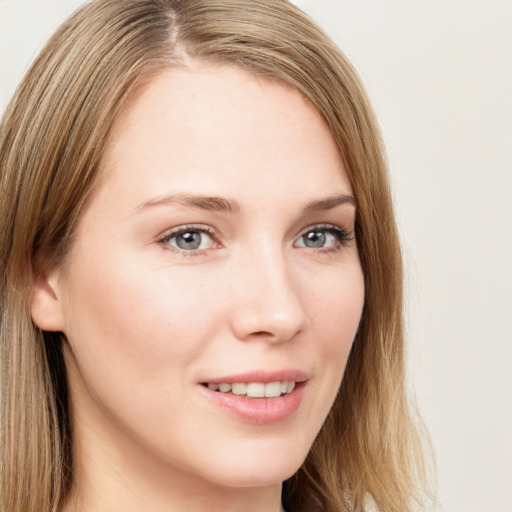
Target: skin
[{"x": 147, "y": 322}]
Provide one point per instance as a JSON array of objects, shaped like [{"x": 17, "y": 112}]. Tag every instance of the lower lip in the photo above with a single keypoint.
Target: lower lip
[{"x": 260, "y": 411}]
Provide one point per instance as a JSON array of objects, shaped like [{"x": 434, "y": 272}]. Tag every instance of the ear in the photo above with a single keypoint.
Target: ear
[{"x": 46, "y": 306}]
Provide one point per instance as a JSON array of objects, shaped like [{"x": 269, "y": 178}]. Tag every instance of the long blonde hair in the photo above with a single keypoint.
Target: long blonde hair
[{"x": 51, "y": 140}]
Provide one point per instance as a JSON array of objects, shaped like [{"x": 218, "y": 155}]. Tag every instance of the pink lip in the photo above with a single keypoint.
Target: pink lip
[
  {"x": 260, "y": 411},
  {"x": 264, "y": 376}
]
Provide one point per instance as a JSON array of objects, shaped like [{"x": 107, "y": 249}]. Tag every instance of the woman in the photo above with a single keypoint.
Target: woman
[{"x": 202, "y": 295}]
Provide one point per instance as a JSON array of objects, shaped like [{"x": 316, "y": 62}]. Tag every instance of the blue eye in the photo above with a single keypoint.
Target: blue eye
[
  {"x": 316, "y": 239},
  {"x": 189, "y": 239},
  {"x": 324, "y": 237}
]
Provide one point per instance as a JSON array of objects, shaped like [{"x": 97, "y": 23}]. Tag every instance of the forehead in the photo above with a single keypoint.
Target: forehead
[{"x": 210, "y": 125}]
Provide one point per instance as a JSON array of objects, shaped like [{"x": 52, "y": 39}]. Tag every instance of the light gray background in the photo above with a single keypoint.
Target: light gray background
[{"x": 440, "y": 76}]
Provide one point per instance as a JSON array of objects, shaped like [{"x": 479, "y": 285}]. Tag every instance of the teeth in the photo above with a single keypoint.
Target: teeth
[
  {"x": 239, "y": 388},
  {"x": 272, "y": 389},
  {"x": 255, "y": 389}
]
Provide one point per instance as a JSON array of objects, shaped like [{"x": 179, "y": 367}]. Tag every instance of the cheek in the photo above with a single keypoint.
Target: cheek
[
  {"x": 136, "y": 336},
  {"x": 138, "y": 314},
  {"x": 336, "y": 310},
  {"x": 336, "y": 313}
]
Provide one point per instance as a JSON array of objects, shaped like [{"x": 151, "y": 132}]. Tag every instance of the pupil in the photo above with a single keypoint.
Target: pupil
[
  {"x": 190, "y": 240},
  {"x": 315, "y": 239}
]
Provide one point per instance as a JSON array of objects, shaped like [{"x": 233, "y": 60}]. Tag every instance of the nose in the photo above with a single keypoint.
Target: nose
[{"x": 268, "y": 301}]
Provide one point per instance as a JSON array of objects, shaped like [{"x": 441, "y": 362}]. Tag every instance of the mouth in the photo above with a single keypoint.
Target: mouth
[
  {"x": 253, "y": 389},
  {"x": 259, "y": 397}
]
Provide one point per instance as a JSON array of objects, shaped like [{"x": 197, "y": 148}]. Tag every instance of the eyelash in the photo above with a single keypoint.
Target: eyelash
[{"x": 342, "y": 236}]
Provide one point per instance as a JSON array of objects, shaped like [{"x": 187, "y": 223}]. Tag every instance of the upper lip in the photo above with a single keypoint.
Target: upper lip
[{"x": 264, "y": 376}]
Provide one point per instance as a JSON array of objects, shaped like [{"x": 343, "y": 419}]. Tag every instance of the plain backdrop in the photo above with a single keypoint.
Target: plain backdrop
[{"x": 440, "y": 77}]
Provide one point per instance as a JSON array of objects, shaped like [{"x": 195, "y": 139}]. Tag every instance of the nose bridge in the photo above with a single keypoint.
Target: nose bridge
[{"x": 269, "y": 302}]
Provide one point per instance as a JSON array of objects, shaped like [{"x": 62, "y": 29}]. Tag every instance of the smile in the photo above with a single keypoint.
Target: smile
[
  {"x": 254, "y": 389},
  {"x": 260, "y": 402}
]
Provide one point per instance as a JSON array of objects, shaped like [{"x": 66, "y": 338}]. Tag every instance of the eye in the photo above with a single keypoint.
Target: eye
[
  {"x": 327, "y": 237},
  {"x": 190, "y": 238}
]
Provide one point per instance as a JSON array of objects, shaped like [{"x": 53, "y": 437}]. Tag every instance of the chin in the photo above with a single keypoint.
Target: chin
[
  {"x": 262, "y": 468},
  {"x": 248, "y": 477}
]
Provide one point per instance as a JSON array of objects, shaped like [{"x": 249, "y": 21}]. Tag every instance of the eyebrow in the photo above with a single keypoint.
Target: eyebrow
[
  {"x": 221, "y": 204},
  {"x": 212, "y": 203},
  {"x": 329, "y": 203}
]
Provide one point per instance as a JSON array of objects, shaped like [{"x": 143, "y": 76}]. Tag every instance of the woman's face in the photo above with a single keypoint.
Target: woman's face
[{"x": 217, "y": 251}]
